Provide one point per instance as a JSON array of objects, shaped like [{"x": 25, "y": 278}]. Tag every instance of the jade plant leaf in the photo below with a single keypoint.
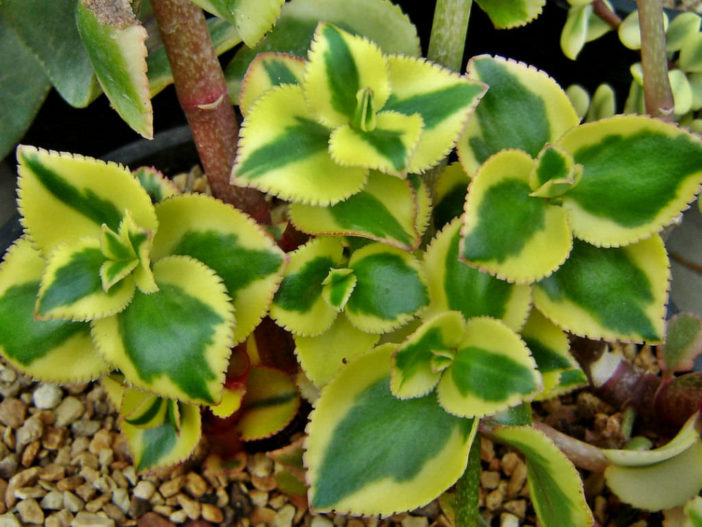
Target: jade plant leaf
[
  {"x": 116, "y": 44},
  {"x": 507, "y": 231},
  {"x": 523, "y": 108},
  {"x": 683, "y": 343},
  {"x": 380, "y": 20},
  {"x": 337, "y": 287},
  {"x": 270, "y": 403},
  {"x": 41, "y": 348},
  {"x": 157, "y": 186},
  {"x": 385, "y": 211},
  {"x": 453, "y": 285},
  {"x": 628, "y": 302},
  {"x": 638, "y": 175},
  {"x": 682, "y": 27},
  {"x": 228, "y": 242},
  {"x": 267, "y": 71},
  {"x": 507, "y": 14},
  {"x": 85, "y": 193},
  {"x": 370, "y": 453},
  {"x": 555, "y": 487},
  {"x": 574, "y": 34},
  {"x": 174, "y": 342},
  {"x": 251, "y": 18},
  {"x": 450, "y": 194},
  {"x": 49, "y": 31},
  {"x": 491, "y": 371},
  {"x": 323, "y": 356}
]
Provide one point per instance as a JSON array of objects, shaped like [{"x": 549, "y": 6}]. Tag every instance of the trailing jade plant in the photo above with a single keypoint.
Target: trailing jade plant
[{"x": 427, "y": 304}]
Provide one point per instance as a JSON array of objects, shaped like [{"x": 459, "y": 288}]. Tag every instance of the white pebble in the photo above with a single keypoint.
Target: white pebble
[{"x": 47, "y": 396}]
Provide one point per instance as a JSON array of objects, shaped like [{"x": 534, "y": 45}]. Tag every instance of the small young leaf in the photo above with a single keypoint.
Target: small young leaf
[
  {"x": 338, "y": 286},
  {"x": 682, "y": 27},
  {"x": 252, "y": 18},
  {"x": 574, "y": 34},
  {"x": 507, "y": 14},
  {"x": 157, "y": 186},
  {"x": 603, "y": 103},
  {"x": 579, "y": 98},
  {"x": 691, "y": 54},
  {"x": 683, "y": 343},
  {"x": 630, "y": 33},
  {"x": 554, "y": 173}
]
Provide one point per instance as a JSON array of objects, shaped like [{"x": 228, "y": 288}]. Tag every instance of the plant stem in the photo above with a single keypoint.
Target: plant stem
[
  {"x": 202, "y": 92},
  {"x": 654, "y": 62},
  {"x": 448, "y": 32},
  {"x": 606, "y": 14},
  {"x": 581, "y": 454},
  {"x": 467, "y": 489}
]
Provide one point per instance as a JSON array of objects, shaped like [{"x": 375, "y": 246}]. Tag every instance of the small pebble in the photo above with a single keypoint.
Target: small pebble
[
  {"x": 61, "y": 518},
  {"x": 172, "y": 487},
  {"x": 151, "y": 519},
  {"x": 489, "y": 479},
  {"x": 34, "y": 492},
  {"x": 508, "y": 520},
  {"x": 52, "y": 501},
  {"x": 9, "y": 520},
  {"x": 144, "y": 490},
  {"x": 72, "y": 502},
  {"x": 70, "y": 409},
  {"x": 212, "y": 513},
  {"x": 31, "y": 430},
  {"x": 195, "y": 485},
  {"x": 85, "y": 427},
  {"x": 12, "y": 412},
  {"x": 178, "y": 516},
  {"x": 120, "y": 497},
  {"x": 284, "y": 517},
  {"x": 517, "y": 479},
  {"x": 54, "y": 438},
  {"x": 191, "y": 507},
  {"x": 30, "y": 512},
  {"x": 114, "y": 512},
  {"x": 321, "y": 521},
  {"x": 87, "y": 519},
  {"x": 8, "y": 466},
  {"x": 138, "y": 507},
  {"x": 29, "y": 454},
  {"x": 47, "y": 396}
]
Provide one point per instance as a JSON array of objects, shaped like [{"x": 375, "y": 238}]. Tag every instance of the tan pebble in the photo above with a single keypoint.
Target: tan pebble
[
  {"x": 354, "y": 522},
  {"x": 88, "y": 519},
  {"x": 52, "y": 501},
  {"x": 152, "y": 519},
  {"x": 24, "y": 478},
  {"x": 72, "y": 502},
  {"x": 77, "y": 388},
  {"x": 70, "y": 483},
  {"x": 85, "y": 427},
  {"x": 63, "y": 456},
  {"x": 489, "y": 479},
  {"x": 24, "y": 493},
  {"x": 517, "y": 479},
  {"x": 172, "y": 501},
  {"x": 222, "y": 497},
  {"x": 509, "y": 462},
  {"x": 119, "y": 479},
  {"x": 415, "y": 521},
  {"x": 114, "y": 512},
  {"x": 284, "y": 517},
  {"x": 127, "y": 471},
  {"x": 86, "y": 491},
  {"x": 104, "y": 484},
  {"x": 263, "y": 515},
  {"x": 172, "y": 487},
  {"x": 105, "y": 457},
  {"x": 101, "y": 441},
  {"x": 508, "y": 520},
  {"x": 30, "y": 452},
  {"x": 52, "y": 472},
  {"x": 98, "y": 503},
  {"x": 120, "y": 497},
  {"x": 276, "y": 502},
  {"x": 144, "y": 490},
  {"x": 157, "y": 499},
  {"x": 12, "y": 412},
  {"x": 640, "y": 523},
  {"x": 600, "y": 509},
  {"x": 493, "y": 500},
  {"x": 68, "y": 411},
  {"x": 3, "y": 489},
  {"x": 259, "y": 498},
  {"x": 178, "y": 516},
  {"x": 163, "y": 510},
  {"x": 89, "y": 474},
  {"x": 8, "y": 466},
  {"x": 212, "y": 513},
  {"x": 30, "y": 431},
  {"x": 340, "y": 521},
  {"x": 79, "y": 444},
  {"x": 62, "y": 518},
  {"x": 260, "y": 465},
  {"x": 138, "y": 507},
  {"x": 487, "y": 449},
  {"x": 321, "y": 521},
  {"x": 191, "y": 507},
  {"x": 85, "y": 459},
  {"x": 195, "y": 485},
  {"x": 267, "y": 483},
  {"x": 30, "y": 512},
  {"x": 9, "y": 520},
  {"x": 516, "y": 507}
]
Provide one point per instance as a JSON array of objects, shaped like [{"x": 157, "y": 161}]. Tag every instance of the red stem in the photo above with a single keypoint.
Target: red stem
[
  {"x": 202, "y": 92},
  {"x": 606, "y": 14}
]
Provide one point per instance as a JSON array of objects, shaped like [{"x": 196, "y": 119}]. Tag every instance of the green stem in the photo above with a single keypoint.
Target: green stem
[
  {"x": 448, "y": 32},
  {"x": 654, "y": 62},
  {"x": 467, "y": 489}
]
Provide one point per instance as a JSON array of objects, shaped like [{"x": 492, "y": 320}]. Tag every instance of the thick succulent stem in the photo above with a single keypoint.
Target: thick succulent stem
[
  {"x": 606, "y": 14},
  {"x": 448, "y": 32},
  {"x": 581, "y": 454},
  {"x": 202, "y": 92},
  {"x": 467, "y": 489},
  {"x": 654, "y": 62}
]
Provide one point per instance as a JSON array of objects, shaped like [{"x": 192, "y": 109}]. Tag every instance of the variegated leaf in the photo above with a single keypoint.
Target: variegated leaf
[
  {"x": 337, "y": 287},
  {"x": 638, "y": 174},
  {"x": 574, "y": 33},
  {"x": 442, "y": 98},
  {"x": 554, "y": 173},
  {"x": 323, "y": 356},
  {"x": 506, "y": 14},
  {"x": 340, "y": 66},
  {"x": 228, "y": 242},
  {"x": 116, "y": 44},
  {"x": 507, "y": 232},
  {"x": 143, "y": 410},
  {"x": 550, "y": 348},
  {"x": 298, "y": 304},
  {"x": 390, "y": 289},
  {"x": 64, "y": 197},
  {"x": 385, "y": 210},
  {"x": 450, "y": 194},
  {"x": 453, "y": 285},
  {"x": 628, "y": 301},
  {"x": 40, "y": 348},
  {"x": 284, "y": 150},
  {"x": 174, "y": 342},
  {"x": 72, "y": 285},
  {"x": 371, "y": 453},
  {"x": 270, "y": 403},
  {"x": 555, "y": 487},
  {"x": 157, "y": 186},
  {"x": 492, "y": 370},
  {"x": 424, "y": 203},
  {"x": 523, "y": 108},
  {"x": 165, "y": 444},
  {"x": 267, "y": 71},
  {"x": 413, "y": 374},
  {"x": 682, "y": 27},
  {"x": 252, "y": 18},
  {"x": 683, "y": 343}
]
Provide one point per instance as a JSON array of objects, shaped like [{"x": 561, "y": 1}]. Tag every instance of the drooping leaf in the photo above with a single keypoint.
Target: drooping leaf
[
  {"x": 506, "y": 14},
  {"x": 116, "y": 44},
  {"x": 603, "y": 103},
  {"x": 228, "y": 242},
  {"x": 323, "y": 356},
  {"x": 371, "y": 453},
  {"x": 579, "y": 98},
  {"x": 40, "y": 348},
  {"x": 628, "y": 302},
  {"x": 283, "y": 150},
  {"x": 682, "y": 91},
  {"x": 270, "y": 403},
  {"x": 491, "y": 371},
  {"x": 638, "y": 174},
  {"x": 523, "y": 108},
  {"x": 298, "y": 304},
  {"x": 157, "y": 186},
  {"x": 174, "y": 342},
  {"x": 574, "y": 33},
  {"x": 379, "y": 20},
  {"x": 443, "y": 99},
  {"x": 555, "y": 487},
  {"x": 384, "y": 210},
  {"x": 251, "y": 18},
  {"x": 49, "y": 31},
  {"x": 507, "y": 232},
  {"x": 390, "y": 289},
  {"x": 66, "y": 197},
  {"x": 453, "y": 285},
  {"x": 683, "y": 343},
  {"x": 267, "y": 71}
]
